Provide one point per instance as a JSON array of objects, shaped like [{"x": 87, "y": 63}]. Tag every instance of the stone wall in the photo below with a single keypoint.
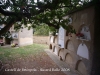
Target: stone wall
[
  {"x": 25, "y": 37},
  {"x": 41, "y": 39}
]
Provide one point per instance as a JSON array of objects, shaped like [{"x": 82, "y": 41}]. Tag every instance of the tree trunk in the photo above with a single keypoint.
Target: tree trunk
[{"x": 8, "y": 26}]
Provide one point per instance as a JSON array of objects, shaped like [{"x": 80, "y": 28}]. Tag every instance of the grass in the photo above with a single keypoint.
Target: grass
[{"x": 13, "y": 53}]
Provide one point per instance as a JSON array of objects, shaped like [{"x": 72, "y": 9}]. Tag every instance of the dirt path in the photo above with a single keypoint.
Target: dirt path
[{"x": 33, "y": 65}]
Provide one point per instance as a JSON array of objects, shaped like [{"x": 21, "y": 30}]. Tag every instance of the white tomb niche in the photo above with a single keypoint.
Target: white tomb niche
[
  {"x": 70, "y": 45},
  {"x": 86, "y": 32},
  {"x": 68, "y": 59},
  {"x": 81, "y": 68},
  {"x": 83, "y": 51},
  {"x": 55, "y": 50},
  {"x": 61, "y": 37},
  {"x": 52, "y": 39}
]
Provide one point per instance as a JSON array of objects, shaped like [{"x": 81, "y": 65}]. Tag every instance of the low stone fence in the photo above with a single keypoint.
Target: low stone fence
[{"x": 41, "y": 39}]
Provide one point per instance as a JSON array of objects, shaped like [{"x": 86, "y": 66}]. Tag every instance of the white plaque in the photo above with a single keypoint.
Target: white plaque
[
  {"x": 15, "y": 35},
  {"x": 61, "y": 37},
  {"x": 83, "y": 51}
]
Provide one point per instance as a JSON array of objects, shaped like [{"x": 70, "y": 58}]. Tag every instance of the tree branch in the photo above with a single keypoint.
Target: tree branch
[
  {"x": 8, "y": 26},
  {"x": 48, "y": 23},
  {"x": 8, "y": 13}
]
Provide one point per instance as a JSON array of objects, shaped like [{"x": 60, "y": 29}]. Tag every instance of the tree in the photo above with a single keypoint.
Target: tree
[
  {"x": 50, "y": 12},
  {"x": 42, "y": 30}
]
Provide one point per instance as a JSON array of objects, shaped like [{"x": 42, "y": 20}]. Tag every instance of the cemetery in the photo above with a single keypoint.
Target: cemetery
[{"x": 74, "y": 41}]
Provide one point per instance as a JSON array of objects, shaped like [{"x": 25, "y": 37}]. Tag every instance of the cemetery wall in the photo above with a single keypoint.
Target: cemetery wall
[
  {"x": 76, "y": 51},
  {"x": 41, "y": 39}
]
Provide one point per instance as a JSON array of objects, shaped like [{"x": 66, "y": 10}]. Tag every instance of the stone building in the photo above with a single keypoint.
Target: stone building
[
  {"x": 79, "y": 52},
  {"x": 22, "y": 37}
]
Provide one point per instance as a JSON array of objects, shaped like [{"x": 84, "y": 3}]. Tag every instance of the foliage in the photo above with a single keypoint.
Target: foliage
[
  {"x": 52, "y": 31},
  {"x": 50, "y": 12},
  {"x": 44, "y": 30},
  {"x": 7, "y": 35},
  {"x": 41, "y": 30}
]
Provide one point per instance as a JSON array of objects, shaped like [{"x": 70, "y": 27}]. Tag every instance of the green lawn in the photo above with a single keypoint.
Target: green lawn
[{"x": 13, "y": 53}]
